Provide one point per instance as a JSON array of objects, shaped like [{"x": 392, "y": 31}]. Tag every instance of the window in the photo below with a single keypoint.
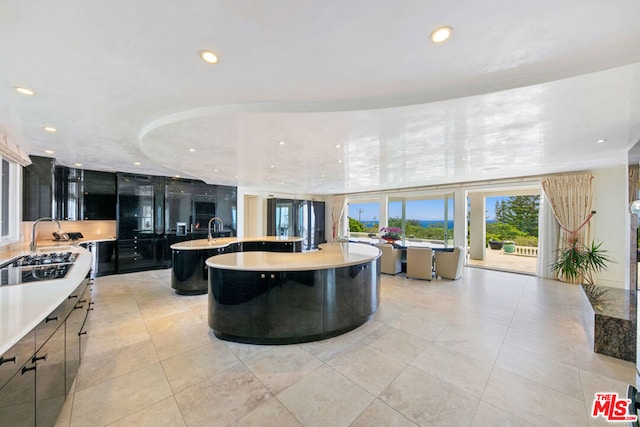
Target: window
[
  {"x": 424, "y": 217},
  {"x": 364, "y": 217},
  {"x": 9, "y": 200}
]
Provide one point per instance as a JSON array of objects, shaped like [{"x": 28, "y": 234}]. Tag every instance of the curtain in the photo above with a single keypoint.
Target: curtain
[
  {"x": 548, "y": 232},
  {"x": 570, "y": 197},
  {"x": 337, "y": 213}
]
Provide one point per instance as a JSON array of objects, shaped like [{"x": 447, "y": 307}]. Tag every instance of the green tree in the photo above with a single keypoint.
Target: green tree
[
  {"x": 521, "y": 212},
  {"x": 355, "y": 225}
]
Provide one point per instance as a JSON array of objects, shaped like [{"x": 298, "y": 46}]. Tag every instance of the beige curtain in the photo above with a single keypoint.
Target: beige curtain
[
  {"x": 571, "y": 199},
  {"x": 337, "y": 213}
]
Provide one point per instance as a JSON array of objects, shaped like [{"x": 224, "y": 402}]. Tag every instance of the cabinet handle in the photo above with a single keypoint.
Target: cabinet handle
[
  {"x": 10, "y": 359},
  {"x": 36, "y": 358},
  {"x": 25, "y": 369},
  {"x": 50, "y": 319},
  {"x": 82, "y": 301},
  {"x": 73, "y": 296},
  {"x": 78, "y": 306},
  {"x": 82, "y": 333}
]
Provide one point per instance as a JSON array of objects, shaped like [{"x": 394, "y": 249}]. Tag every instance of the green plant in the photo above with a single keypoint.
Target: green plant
[{"x": 579, "y": 262}]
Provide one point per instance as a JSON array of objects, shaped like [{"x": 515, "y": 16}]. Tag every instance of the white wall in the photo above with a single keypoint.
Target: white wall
[{"x": 610, "y": 225}]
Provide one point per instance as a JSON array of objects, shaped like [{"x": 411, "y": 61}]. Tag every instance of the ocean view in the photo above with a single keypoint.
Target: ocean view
[{"x": 423, "y": 223}]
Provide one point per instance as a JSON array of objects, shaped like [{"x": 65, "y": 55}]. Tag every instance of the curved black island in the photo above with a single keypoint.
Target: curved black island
[
  {"x": 285, "y": 298},
  {"x": 190, "y": 275}
]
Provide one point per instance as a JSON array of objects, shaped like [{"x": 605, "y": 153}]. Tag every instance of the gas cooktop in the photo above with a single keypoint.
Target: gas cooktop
[{"x": 36, "y": 267}]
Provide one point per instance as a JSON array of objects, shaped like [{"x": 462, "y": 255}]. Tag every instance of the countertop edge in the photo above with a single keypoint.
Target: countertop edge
[
  {"x": 24, "y": 306},
  {"x": 302, "y": 261}
]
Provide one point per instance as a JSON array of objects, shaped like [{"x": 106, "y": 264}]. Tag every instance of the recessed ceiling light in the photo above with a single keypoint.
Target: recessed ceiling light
[
  {"x": 441, "y": 34},
  {"x": 136, "y": 163},
  {"x": 281, "y": 142},
  {"x": 339, "y": 161},
  {"x": 77, "y": 165},
  {"x": 192, "y": 150},
  {"x": 337, "y": 145},
  {"x": 177, "y": 176},
  {"x": 25, "y": 91},
  {"x": 49, "y": 151},
  {"x": 273, "y": 166},
  {"x": 215, "y": 170},
  {"x": 209, "y": 57},
  {"x": 601, "y": 141},
  {"x": 50, "y": 129},
  {"x": 463, "y": 158}
]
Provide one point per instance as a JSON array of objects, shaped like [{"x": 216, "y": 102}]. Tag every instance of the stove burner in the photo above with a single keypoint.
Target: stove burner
[
  {"x": 45, "y": 259},
  {"x": 36, "y": 267}
]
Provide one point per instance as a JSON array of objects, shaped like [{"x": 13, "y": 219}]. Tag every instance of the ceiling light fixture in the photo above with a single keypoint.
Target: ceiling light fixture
[
  {"x": 281, "y": 142},
  {"x": 209, "y": 57},
  {"x": 136, "y": 163},
  {"x": 49, "y": 151},
  {"x": 601, "y": 141},
  {"x": 337, "y": 145},
  {"x": 440, "y": 35},
  {"x": 50, "y": 129},
  {"x": 273, "y": 166},
  {"x": 77, "y": 165},
  {"x": 25, "y": 91},
  {"x": 192, "y": 150}
]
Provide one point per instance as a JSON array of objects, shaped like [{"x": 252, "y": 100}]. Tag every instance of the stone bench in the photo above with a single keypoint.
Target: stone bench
[{"x": 614, "y": 321}]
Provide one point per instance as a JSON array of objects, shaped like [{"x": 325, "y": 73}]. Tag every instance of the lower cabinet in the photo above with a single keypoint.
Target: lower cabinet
[
  {"x": 18, "y": 384},
  {"x": 140, "y": 254},
  {"x": 37, "y": 373}
]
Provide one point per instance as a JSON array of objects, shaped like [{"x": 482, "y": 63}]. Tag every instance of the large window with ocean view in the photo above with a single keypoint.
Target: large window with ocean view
[{"x": 428, "y": 218}]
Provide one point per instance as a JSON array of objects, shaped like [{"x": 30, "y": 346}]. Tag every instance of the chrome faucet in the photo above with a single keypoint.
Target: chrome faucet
[
  {"x": 32, "y": 246},
  {"x": 214, "y": 219}
]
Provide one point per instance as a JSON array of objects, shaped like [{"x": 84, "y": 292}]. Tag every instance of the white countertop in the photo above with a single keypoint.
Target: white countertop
[
  {"x": 330, "y": 255},
  {"x": 23, "y": 306},
  {"x": 221, "y": 242}
]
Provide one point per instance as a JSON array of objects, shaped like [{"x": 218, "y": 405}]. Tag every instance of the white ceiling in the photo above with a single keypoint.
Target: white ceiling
[{"x": 522, "y": 88}]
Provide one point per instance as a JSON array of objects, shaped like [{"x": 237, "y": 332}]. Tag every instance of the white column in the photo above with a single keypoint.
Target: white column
[
  {"x": 477, "y": 223},
  {"x": 459, "y": 218}
]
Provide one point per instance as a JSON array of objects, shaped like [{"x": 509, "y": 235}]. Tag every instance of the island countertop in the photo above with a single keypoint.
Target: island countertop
[
  {"x": 24, "y": 306},
  {"x": 330, "y": 255},
  {"x": 221, "y": 242}
]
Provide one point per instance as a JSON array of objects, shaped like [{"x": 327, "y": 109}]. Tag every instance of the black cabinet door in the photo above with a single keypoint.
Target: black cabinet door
[
  {"x": 99, "y": 195},
  {"x": 50, "y": 379},
  {"x": 68, "y": 193},
  {"x": 106, "y": 255},
  {"x": 37, "y": 188},
  {"x": 18, "y": 396}
]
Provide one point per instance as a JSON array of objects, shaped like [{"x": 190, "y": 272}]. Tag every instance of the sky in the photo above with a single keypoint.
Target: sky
[{"x": 427, "y": 210}]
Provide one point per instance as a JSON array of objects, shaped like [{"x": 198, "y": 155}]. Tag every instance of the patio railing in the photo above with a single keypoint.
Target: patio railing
[{"x": 525, "y": 251}]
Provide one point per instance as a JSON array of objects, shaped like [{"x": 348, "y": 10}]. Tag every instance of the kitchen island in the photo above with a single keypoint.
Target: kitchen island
[
  {"x": 285, "y": 298},
  {"x": 189, "y": 274}
]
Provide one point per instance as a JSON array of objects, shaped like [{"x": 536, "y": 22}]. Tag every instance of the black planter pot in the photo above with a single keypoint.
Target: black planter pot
[{"x": 495, "y": 245}]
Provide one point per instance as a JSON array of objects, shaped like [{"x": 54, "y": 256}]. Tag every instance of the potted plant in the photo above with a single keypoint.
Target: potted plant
[
  {"x": 509, "y": 246},
  {"x": 390, "y": 234},
  {"x": 579, "y": 263}
]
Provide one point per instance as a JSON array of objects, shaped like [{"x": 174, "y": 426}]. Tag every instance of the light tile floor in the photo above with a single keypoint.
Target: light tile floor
[{"x": 491, "y": 349}]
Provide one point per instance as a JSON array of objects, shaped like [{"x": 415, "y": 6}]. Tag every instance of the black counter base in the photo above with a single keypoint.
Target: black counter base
[
  {"x": 288, "y": 307},
  {"x": 290, "y": 340}
]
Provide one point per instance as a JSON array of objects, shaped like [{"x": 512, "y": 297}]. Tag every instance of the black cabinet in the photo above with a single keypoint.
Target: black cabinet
[
  {"x": 84, "y": 194},
  {"x": 99, "y": 195},
  {"x": 142, "y": 242},
  {"x": 18, "y": 396},
  {"x": 36, "y": 374},
  {"x": 37, "y": 188},
  {"x": 106, "y": 258},
  {"x": 50, "y": 379}
]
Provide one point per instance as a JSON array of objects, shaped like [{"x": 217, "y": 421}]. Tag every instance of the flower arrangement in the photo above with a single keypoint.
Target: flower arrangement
[{"x": 391, "y": 233}]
